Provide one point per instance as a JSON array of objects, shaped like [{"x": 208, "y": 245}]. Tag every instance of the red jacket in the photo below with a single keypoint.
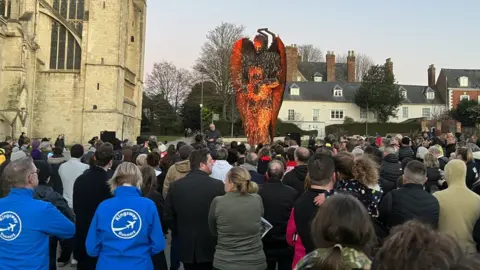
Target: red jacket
[{"x": 293, "y": 239}]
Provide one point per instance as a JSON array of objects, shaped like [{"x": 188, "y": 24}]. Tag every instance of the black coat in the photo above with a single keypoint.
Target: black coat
[
  {"x": 409, "y": 202},
  {"x": 89, "y": 190},
  {"x": 472, "y": 174},
  {"x": 303, "y": 214},
  {"x": 296, "y": 179},
  {"x": 390, "y": 171},
  {"x": 405, "y": 152},
  {"x": 278, "y": 200},
  {"x": 433, "y": 175},
  {"x": 186, "y": 212}
]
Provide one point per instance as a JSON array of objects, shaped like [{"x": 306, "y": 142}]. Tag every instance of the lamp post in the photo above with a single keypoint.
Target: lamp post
[{"x": 201, "y": 108}]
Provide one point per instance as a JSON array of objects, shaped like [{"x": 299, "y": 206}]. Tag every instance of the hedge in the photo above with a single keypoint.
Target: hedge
[{"x": 373, "y": 128}]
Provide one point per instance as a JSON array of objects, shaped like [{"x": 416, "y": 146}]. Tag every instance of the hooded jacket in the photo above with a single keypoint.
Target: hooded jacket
[
  {"x": 125, "y": 231},
  {"x": 175, "y": 172},
  {"x": 459, "y": 206},
  {"x": 220, "y": 169},
  {"x": 26, "y": 224},
  {"x": 296, "y": 179},
  {"x": 405, "y": 152}
]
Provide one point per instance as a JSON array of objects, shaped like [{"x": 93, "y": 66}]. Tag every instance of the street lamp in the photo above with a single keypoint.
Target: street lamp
[{"x": 201, "y": 108}]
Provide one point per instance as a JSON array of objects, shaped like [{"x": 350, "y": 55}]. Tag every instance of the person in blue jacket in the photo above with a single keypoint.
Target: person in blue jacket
[
  {"x": 126, "y": 230},
  {"x": 27, "y": 223}
]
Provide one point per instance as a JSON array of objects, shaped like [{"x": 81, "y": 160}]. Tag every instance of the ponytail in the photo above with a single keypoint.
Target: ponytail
[
  {"x": 241, "y": 180},
  {"x": 247, "y": 187},
  {"x": 332, "y": 259}
]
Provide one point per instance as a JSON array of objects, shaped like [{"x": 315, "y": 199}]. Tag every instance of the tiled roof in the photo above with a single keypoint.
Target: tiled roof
[
  {"x": 453, "y": 75},
  {"x": 308, "y": 70},
  {"x": 323, "y": 91}
]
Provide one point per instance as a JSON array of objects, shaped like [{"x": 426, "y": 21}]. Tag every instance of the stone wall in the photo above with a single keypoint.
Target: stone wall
[{"x": 57, "y": 106}]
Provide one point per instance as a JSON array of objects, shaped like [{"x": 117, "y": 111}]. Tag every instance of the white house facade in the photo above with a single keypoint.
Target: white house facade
[{"x": 315, "y": 105}]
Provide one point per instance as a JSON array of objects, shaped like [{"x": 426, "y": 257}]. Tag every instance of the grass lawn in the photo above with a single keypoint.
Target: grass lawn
[{"x": 169, "y": 138}]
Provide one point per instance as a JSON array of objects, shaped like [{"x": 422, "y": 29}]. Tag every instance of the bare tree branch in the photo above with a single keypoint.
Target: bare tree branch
[
  {"x": 363, "y": 63},
  {"x": 310, "y": 53},
  {"x": 214, "y": 60},
  {"x": 170, "y": 83}
]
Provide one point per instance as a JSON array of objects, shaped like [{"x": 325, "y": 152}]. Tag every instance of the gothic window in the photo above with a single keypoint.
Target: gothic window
[
  {"x": 5, "y": 8},
  {"x": 65, "y": 52}
]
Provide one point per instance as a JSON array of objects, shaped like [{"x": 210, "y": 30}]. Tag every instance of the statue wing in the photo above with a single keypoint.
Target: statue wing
[
  {"x": 278, "y": 47},
  {"x": 242, "y": 49}
]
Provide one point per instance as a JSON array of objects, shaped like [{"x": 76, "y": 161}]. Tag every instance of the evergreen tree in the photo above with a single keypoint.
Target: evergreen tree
[
  {"x": 379, "y": 93},
  {"x": 465, "y": 112}
]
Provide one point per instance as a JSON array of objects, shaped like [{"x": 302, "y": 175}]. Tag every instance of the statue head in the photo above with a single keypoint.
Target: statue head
[{"x": 260, "y": 43}]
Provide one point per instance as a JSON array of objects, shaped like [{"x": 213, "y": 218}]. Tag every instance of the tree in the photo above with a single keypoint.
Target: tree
[
  {"x": 363, "y": 63},
  {"x": 169, "y": 83},
  {"x": 310, "y": 53},
  {"x": 159, "y": 115},
  {"x": 214, "y": 60},
  {"x": 464, "y": 112},
  {"x": 379, "y": 93}
]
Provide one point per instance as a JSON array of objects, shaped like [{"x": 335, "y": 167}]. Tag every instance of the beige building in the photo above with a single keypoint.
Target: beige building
[{"x": 72, "y": 67}]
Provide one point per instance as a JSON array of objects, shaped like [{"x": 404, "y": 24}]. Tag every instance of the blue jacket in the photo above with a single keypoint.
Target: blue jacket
[
  {"x": 125, "y": 231},
  {"x": 25, "y": 224}
]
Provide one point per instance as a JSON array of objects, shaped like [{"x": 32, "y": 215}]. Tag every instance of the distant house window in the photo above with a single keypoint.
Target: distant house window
[
  {"x": 478, "y": 99},
  {"x": 430, "y": 95},
  {"x": 363, "y": 113},
  {"x": 299, "y": 78},
  {"x": 462, "y": 97},
  {"x": 405, "y": 112},
  {"x": 404, "y": 94},
  {"x": 336, "y": 114},
  {"x": 316, "y": 114},
  {"x": 463, "y": 81},
  {"x": 426, "y": 113},
  {"x": 294, "y": 90},
  {"x": 291, "y": 115},
  {"x": 317, "y": 77}
]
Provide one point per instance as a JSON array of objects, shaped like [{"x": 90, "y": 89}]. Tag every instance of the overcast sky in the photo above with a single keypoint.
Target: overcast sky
[{"x": 413, "y": 33}]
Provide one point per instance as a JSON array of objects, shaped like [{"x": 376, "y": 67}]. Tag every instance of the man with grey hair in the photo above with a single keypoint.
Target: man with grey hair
[
  {"x": 26, "y": 223},
  {"x": 390, "y": 170},
  {"x": 278, "y": 200},
  {"x": 221, "y": 166},
  {"x": 411, "y": 201},
  {"x": 436, "y": 152},
  {"x": 296, "y": 177},
  {"x": 251, "y": 162}
]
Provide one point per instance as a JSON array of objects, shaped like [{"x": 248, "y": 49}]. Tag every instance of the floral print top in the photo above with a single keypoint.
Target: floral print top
[
  {"x": 368, "y": 196},
  {"x": 352, "y": 258}
]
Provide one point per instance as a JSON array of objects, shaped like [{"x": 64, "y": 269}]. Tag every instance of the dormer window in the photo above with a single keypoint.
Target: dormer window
[
  {"x": 317, "y": 77},
  {"x": 294, "y": 90},
  {"x": 337, "y": 91},
  {"x": 430, "y": 95},
  {"x": 463, "y": 81},
  {"x": 403, "y": 92}
]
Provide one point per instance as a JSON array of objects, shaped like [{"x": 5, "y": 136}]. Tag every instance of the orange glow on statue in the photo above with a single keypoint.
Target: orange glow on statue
[{"x": 258, "y": 78}]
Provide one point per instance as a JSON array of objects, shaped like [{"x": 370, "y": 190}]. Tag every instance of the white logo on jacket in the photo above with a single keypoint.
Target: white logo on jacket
[
  {"x": 126, "y": 224},
  {"x": 10, "y": 226}
]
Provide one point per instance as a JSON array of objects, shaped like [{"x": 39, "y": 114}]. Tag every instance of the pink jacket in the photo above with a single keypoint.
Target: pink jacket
[{"x": 294, "y": 240}]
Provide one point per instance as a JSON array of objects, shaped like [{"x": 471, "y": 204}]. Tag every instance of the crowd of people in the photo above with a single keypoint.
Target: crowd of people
[{"x": 390, "y": 202}]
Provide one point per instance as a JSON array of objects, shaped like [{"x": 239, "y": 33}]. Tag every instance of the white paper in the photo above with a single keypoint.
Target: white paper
[{"x": 266, "y": 226}]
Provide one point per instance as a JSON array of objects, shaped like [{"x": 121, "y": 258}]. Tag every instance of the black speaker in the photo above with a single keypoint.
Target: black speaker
[
  {"x": 296, "y": 137},
  {"x": 108, "y": 136}
]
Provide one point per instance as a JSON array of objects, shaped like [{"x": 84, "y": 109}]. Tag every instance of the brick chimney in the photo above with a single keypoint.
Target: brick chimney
[
  {"x": 351, "y": 75},
  {"x": 431, "y": 76},
  {"x": 330, "y": 57},
  {"x": 389, "y": 64},
  {"x": 292, "y": 62}
]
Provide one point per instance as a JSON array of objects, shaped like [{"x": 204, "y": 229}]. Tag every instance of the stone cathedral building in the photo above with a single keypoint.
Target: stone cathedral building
[{"x": 72, "y": 67}]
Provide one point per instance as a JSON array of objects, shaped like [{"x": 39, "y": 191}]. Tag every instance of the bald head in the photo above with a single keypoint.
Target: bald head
[
  {"x": 302, "y": 155},
  {"x": 212, "y": 127},
  {"x": 275, "y": 170}
]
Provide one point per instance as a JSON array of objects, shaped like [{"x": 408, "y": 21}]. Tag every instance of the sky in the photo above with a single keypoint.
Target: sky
[{"x": 413, "y": 33}]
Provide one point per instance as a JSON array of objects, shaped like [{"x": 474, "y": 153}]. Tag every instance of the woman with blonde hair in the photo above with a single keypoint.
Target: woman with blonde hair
[
  {"x": 466, "y": 155},
  {"x": 434, "y": 174},
  {"x": 236, "y": 219},
  {"x": 125, "y": 231}
]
